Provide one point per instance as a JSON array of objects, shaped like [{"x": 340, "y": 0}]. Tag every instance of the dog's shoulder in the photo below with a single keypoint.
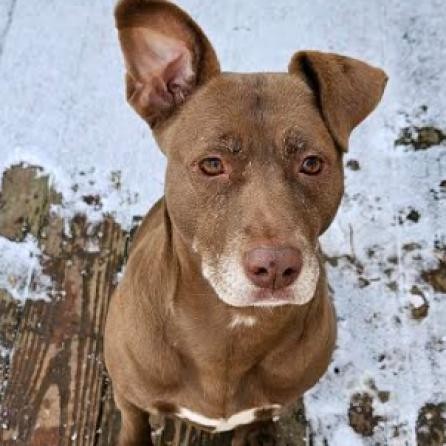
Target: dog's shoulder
[{"x": 153, "y": 221}]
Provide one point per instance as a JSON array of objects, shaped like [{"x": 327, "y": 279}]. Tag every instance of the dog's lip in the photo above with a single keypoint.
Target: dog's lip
[{"x": 261, "y": 295}]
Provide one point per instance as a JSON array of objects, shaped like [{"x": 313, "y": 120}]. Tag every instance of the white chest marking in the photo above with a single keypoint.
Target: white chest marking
[
  {"x": 226, "y": 424},
  {"x": 244, "y": 321}
]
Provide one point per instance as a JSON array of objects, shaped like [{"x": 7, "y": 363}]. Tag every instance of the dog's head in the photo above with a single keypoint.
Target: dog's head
[{"x": 254, "y": 160}]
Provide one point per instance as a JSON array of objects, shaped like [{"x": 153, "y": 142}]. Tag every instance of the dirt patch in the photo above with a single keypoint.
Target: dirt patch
[
  {"x": 421, "y": 311},
  {"x": 410, "y": 247},
  {"x": 93, "y": 200},
  {"x": 353, "y": 165},
  {"x": 420, "y": 138},
  {"x": 410, "y": 214},
  {"x": 414, "y": 216},
  {"x": 436, "y": 277},
  {"x": 431, "y": 425},
  {"x": 116, "y": 179},
  {"x": 360, "y": 414},
  {"x": 384, "y": 396},
  {"x": 353, "y": 262}
]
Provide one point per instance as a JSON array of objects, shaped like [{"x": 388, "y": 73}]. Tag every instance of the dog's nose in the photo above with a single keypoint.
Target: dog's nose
[{"x": 273, "y": 268}]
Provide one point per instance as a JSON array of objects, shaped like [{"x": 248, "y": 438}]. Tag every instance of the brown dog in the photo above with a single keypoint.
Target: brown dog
[{"x": 223, "y": 316}]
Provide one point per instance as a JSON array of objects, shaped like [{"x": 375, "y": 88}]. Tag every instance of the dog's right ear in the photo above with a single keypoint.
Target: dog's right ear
[{"x": 167, "y": 56}]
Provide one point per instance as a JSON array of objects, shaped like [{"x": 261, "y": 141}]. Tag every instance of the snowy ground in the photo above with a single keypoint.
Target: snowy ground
[{"x": 62, "y": 107}]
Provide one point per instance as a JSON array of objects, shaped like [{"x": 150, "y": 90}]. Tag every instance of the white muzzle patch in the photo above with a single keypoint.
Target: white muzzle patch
[{"x": 227, "y": 277}]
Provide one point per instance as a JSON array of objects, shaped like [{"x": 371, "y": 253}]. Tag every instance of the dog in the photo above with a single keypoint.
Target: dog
[{"x": 223, "y": 316}]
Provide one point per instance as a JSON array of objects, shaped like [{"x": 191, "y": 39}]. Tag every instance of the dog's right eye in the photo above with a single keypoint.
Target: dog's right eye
[{"x": 212, "y": 167}]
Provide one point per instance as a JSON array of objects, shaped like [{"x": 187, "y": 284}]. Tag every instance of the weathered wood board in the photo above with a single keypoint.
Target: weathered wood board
[{"x": 57, "y": 391}]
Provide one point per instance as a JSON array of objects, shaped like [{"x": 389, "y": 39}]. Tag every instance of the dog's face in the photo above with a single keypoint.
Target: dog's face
[
  {"x": 254, "y": 160},
  {"x": 253, "y": 176}
]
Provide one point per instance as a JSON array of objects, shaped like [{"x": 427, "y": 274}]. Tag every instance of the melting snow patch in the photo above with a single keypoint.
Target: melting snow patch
[
  {"x": 21, "y": 273},
  {"x": 4, "y": 353}
]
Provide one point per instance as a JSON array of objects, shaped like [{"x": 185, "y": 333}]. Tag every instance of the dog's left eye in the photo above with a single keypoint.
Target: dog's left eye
[
  {"x": 212, "y": 167},
  {"x": 312, "y": 165}
]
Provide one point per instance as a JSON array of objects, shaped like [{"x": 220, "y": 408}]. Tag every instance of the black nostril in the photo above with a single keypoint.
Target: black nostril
[
  {"x": 289, "y": 272},
  {"x": 261, "y": 272}
]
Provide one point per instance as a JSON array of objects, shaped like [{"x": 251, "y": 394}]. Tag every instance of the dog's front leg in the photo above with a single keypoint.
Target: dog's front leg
[
  {"x": 135, "y": 427},
  {"x": 262, "y": 433}
]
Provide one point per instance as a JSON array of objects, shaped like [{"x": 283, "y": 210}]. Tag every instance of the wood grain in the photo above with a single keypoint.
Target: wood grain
[{"x": 57, "y": 387}]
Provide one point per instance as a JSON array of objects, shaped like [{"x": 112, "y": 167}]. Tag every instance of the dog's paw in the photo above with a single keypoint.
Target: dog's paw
[{"x": 257, "y": 434}]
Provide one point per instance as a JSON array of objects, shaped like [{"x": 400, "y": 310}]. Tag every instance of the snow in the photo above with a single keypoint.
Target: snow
[
  {"x": 345, "y": 436},
  {"x": 21, "y": 272},
  {"x": 417, "y": 301},
  {"x": 4, "y": 352},
  {"x": 63, "y": 108}
]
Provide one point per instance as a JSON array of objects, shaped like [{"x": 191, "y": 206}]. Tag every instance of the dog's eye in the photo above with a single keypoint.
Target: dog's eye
[
  {"x": 312, "y": 165},
  {"x": 212, "y": 167}
]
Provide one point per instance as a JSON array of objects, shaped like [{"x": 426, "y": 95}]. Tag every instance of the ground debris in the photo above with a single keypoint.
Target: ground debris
[
  {"x": 420, "y": 138},
  {"x": 431, "y": 425},
  {"x": 361, "y": 416},
  {"x": 349, "y": 259},
  {"x": 93, "y": 200},
  {"x": 353, "y": 165},
  {"x": 436, "y": 277},
  {"x": 421, "y": 311}
]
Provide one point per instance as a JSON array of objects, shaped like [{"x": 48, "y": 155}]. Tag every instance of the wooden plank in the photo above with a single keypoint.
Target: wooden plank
[
  {"x": 109, "y": 419},
  {"x": 57, "y": 387},
  {"x": 9, "y": 319},
  {"x": 24, "y": 202}
]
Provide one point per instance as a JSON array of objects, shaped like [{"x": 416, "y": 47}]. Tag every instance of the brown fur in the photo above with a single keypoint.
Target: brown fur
[{"x": 169, "y": 342}]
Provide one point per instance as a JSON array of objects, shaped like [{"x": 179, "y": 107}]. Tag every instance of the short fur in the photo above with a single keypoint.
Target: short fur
[{"x": 187, "y": 332}]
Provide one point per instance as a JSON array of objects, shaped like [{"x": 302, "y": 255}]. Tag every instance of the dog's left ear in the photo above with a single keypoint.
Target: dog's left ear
[{"x": 347, "y": 90}]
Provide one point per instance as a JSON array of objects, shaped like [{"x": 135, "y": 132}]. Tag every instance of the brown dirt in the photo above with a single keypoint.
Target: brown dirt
[
  {"x": 353, "y": 165},
  {"x": 436, "y": 277},
  {"x": 420, "y": 138},
  {"x": 361, "y": 416},
  {"x": 431, "y": 425},
  {"x": 420, "y": 312}
]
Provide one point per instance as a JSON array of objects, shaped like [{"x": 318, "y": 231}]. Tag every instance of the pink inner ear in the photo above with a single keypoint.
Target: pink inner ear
[
  {"x": 161, "y": 68},
  {"x": 179, "y": 77}
]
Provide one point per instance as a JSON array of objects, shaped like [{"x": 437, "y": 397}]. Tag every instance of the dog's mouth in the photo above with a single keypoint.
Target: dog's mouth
[{"x": 272, "y": 298}]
